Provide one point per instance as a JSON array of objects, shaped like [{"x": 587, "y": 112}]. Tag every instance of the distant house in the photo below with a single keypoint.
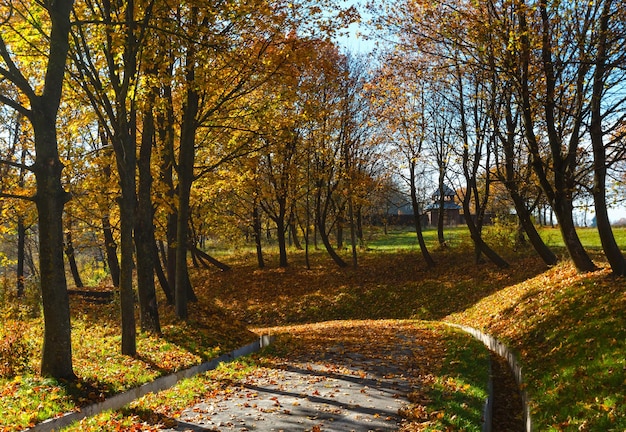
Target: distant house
[{"x": 451, "y": 209}]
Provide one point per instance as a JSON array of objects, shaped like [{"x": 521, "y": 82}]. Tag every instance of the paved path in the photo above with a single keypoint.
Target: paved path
[{"x": 331, "y": 387}]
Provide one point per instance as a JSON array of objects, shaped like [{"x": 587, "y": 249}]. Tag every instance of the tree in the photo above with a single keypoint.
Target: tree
[
  {"x": 39, "y": 99},
  {"x": 106, "y": 57},
  {"x": 406, "y": 129},
  {"x": 549, "y": 85},
  {"x": 610, "y": 44}
]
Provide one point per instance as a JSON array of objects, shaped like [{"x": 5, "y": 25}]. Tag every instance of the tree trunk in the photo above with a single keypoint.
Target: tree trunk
[
  {"x": 511, "y": 183},
  {"x": 21, "y": 255},
  {"x": 71, "y": 259},
  {"x": 185, "y": 178},
  {"x": 280, "y": 237},
  {"x": 293, "y": 229},
  {"x": 355, "y": 262},
  {"x": 430, "y": 262},
  {"x": 609, "y": 245},
  {"x": 535, "y": 239},
  {"x": 50, "y": 199},
  {"x": 320, "y": 219},
  {"x": 339, "y": 230},
  {"x": 441, "y": 213},
  {"x": 165, "y": 286},
  {"x": 560, "y": 194},
  {"x": 144, "y": 232},
  {"x": 110, "y": 248},
  {"x": 127, "y": 204},
  {"x": 206, "y": 258},
  {"x": 256, "y": 227}
]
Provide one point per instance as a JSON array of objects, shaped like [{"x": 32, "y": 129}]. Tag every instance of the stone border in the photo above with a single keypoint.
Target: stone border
[
  {"x": 163, "y": 383},
  {"x": 502, "y": 350}
]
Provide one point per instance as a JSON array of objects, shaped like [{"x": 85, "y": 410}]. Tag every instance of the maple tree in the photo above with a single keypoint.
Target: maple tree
[
  {"x": 609, "y": 44},
  {"x": 39, "y": 86},
  {"x": 114, "y": 64},
  {"x": 407, "y": 129}
]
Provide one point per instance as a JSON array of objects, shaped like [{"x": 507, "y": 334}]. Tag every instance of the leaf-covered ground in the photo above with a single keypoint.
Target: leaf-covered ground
[{"x": 567, "y": 328}]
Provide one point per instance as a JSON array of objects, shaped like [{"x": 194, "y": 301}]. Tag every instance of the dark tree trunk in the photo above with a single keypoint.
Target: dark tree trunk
[
  {"x": 127, "y": 203},
  {"x": 339, "y": 230},
  {"x": 471, "y": 166},
  {"x": 320, "y": 223},
  {"x": 71, "y": 259},
  {"x": 564, "y": 210},
  {"x": 609, "y": 245},
  {"x": 329, "y": 247},
  {"x": 185, "y": 179},
  {"x": 359, "y": 226},
  {"x": 206, "y": 258},
  {"x": 511, "y": 184},
  {"x": 21, "y": 226},
  {"x": 166, "y": 137},
  {"x": 528, "y": 226},
  {"x": 144, "y": 232},
  {"x": 110, "y": 248},
  {"x": 441, "y": 213},
  {"x": 21, "y": 255},
  {"x": 281, "y": 236},
  {"x": 430, "y": 262},
  {"x": 165, "y": 286},
  {"x": 293, "y": 229},
  {"x": 256, "y": 227},
  {"x": 355, "y": 262},
  {"x": 50, "y": 199}
]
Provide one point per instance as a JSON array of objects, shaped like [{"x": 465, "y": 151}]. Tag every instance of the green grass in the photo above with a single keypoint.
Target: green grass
[
  {"x": 588, "y": 236},
  {"x": 459, "y": 392},
  {"x": 405, "y": 238}
]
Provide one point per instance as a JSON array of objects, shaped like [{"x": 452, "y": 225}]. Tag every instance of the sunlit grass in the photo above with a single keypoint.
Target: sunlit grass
[
  {"x": 99, "y": 365},
  {"x": 570, "y": 332}
]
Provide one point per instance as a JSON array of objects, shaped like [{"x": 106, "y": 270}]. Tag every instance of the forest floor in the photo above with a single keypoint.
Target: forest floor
[{"x": 567, "y": 328}]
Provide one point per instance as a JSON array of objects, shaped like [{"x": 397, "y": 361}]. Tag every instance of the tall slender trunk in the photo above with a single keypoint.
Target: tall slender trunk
[
  {"x": 21, "y": 226},
  {"x": 144, "y": 230},
  {"x": 511, "y": 183},
  {"x": 21, "y": 255},
  {"x": 256, "y": 227},
  {"x": 110, "y": 248},
  {"x": 71, "y": 259},
  {"x": 186, "y": 159},
  {"x": 417, "y": 215},
  {"x": 50, "y": 199},
  {"x": 321, "y": 211},
  {"x": 281, "y": 234},
  {"x": 126, "y": 162},
  {"x": 609, "y": 245},
  {"x": 441, "y": 213}
]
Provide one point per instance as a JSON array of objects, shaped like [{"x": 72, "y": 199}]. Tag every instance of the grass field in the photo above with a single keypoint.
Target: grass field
[{"x": 569, "y": 329}]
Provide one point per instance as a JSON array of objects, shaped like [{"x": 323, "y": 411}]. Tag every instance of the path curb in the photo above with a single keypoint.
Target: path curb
[
  {"x": 502, "y": 350},
  {"x": 163, "y": 383}
]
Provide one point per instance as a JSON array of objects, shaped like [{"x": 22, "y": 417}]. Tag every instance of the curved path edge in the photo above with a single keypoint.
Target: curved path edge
[
  {"x": 163, "y": 383},
  {"x": 502, "y": 350}
]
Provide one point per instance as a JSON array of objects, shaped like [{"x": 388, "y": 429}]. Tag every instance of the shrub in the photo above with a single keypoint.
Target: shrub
[{"x": 15, "y": 350}]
